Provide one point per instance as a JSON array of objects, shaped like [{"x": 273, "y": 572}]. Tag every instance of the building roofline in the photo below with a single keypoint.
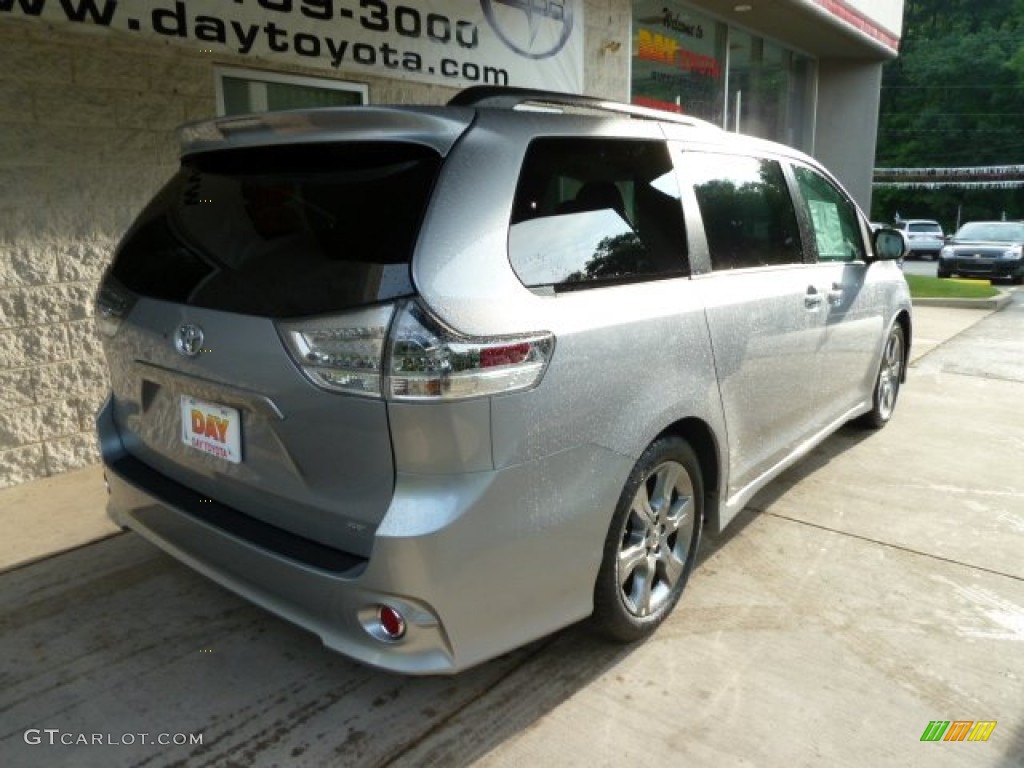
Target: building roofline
[{"x": 880, "y": 37}]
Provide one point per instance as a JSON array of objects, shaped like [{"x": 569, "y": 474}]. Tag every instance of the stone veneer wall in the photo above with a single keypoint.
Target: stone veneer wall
[{"x": 87, "y": 121}]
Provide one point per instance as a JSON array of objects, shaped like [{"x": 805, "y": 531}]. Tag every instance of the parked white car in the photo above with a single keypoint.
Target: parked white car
[{"x": 925, "y": 237}]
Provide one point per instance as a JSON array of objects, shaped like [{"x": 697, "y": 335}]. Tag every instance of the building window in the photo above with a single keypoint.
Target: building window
[
  {"x": 241, "y": 91},
  {"x": 769, "y": 89},
  {"x": 679, "y": 60},
  {"x": 687, "y": 61}
]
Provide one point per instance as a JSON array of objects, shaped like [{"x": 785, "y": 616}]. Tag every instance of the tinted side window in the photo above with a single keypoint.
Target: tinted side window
[
  {"x": 593, "y": 211},
  {"x": 749, "y": 219},
  {"x": 283, "y": 231},
  {"x": 833, "y": 218}
]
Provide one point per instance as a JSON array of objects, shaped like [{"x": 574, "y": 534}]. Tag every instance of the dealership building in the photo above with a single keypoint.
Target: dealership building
[{"x": 91, "y": 92}]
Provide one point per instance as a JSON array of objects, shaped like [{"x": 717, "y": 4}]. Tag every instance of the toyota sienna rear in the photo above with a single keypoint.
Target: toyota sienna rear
[{"x": 433, "y": 382}]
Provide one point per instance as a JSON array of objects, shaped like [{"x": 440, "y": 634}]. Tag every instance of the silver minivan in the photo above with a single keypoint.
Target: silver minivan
[{"x": 433, "y": 382}]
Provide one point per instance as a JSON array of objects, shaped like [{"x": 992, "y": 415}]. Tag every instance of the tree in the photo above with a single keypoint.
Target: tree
[{"x": 954, "y": 97}]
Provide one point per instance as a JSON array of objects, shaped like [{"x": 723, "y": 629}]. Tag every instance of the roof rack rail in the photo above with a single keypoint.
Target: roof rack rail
[{"x": 500, "y": 97}]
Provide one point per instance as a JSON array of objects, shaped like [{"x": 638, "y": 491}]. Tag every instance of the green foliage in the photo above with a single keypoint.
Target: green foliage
[
  {"x": 922, "y": 287},
  {"x": 950, "y": 207},
  {"x": 954, "y": 97}
]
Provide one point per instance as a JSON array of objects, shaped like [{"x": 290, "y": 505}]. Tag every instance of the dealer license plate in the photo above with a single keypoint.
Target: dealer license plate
[{"x": 211, "y": 428}]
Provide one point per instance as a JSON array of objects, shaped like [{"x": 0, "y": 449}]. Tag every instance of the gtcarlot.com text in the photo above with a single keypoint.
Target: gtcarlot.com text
[{"x": 57, "y": 737}]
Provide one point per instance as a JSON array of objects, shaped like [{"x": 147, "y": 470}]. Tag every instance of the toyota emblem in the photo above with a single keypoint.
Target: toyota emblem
[
  {"x": 548, "y": 25},
  {"x": 188, "y": 339}
]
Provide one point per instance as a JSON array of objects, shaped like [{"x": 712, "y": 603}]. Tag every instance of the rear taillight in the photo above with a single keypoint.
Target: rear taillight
[
  {"x": 113, "y": 303},
  {"x": 417, "y": 359},
  {"x": 342, "y": 353},
  {"x": 430, "y": 362}
]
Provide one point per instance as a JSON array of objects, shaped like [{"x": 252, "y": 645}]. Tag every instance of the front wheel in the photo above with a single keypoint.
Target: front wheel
[
  {"x": 887, "y": 384},
  {"x": 943, "y": 273},
  {"x": 652, "y": 542}
]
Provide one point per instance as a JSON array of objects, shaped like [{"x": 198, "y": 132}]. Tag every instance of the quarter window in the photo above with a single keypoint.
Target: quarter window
[
  {"x": 593, "y": 211},
  {"x": 833, "y": 218},
  {"x": 749, "y": 219}
]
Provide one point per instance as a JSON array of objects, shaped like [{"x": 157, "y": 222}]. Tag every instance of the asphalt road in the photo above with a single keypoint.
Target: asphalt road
[
  {"x": 876, "y": 588},
  {"x": 919, "y": 267}
]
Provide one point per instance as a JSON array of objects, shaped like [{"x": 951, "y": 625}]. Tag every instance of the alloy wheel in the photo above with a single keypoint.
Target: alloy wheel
[
  {"x": 656, "y": 539},
  {"x": 889, "y": 375}
]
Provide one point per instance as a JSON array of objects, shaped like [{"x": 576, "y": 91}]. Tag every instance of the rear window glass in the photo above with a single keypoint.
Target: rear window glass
[
  {"x": 922, "y": 226},
  {"x": 283, "y": 231},
  {"x": 591, "y": 212}
]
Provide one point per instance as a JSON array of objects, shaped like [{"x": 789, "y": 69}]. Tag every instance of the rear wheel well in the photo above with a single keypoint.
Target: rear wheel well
[{"x": 702, "y": 440}]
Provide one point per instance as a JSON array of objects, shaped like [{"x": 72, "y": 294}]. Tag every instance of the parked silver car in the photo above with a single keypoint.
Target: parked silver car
[
  {"x": 925, "y": 237},
  {"x": 433, "y": 382}
]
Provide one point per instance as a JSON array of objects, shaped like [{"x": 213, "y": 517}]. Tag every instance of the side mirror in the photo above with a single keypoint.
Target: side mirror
[{"x": 890, "y": 244}]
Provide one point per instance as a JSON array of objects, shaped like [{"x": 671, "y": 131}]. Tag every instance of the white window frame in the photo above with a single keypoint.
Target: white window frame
[{"x": 259, "y": 76}]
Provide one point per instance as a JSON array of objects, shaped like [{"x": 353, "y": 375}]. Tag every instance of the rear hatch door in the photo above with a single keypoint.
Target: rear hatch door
[{"x": 205, "y": 391}]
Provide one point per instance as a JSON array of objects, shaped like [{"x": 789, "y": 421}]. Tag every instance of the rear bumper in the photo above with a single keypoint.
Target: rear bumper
[
  {"x": 924, "y": 247},
  {"x": 478, "y": 564}
]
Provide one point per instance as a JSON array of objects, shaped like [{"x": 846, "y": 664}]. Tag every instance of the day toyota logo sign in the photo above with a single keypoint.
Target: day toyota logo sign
[
  {"x": 188, "y": 339},
  {"x": 541, "y": 32}
]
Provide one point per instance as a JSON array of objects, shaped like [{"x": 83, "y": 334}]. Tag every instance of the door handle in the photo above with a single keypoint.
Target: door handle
[
  {"x": 813, "y": 299},
  {"x": 835, "y": 296}
]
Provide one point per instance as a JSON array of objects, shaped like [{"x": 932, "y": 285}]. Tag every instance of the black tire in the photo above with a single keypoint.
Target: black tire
[
  {"x": 942, "y": 273},
  {"x": 652, "y": 542},
  {"x": 887, "y": 382}
]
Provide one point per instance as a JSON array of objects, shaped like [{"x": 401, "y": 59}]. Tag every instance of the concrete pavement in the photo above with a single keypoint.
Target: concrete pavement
[
  {"x": 44, "y": 517},
  {"x": 873, "y": 589}
]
